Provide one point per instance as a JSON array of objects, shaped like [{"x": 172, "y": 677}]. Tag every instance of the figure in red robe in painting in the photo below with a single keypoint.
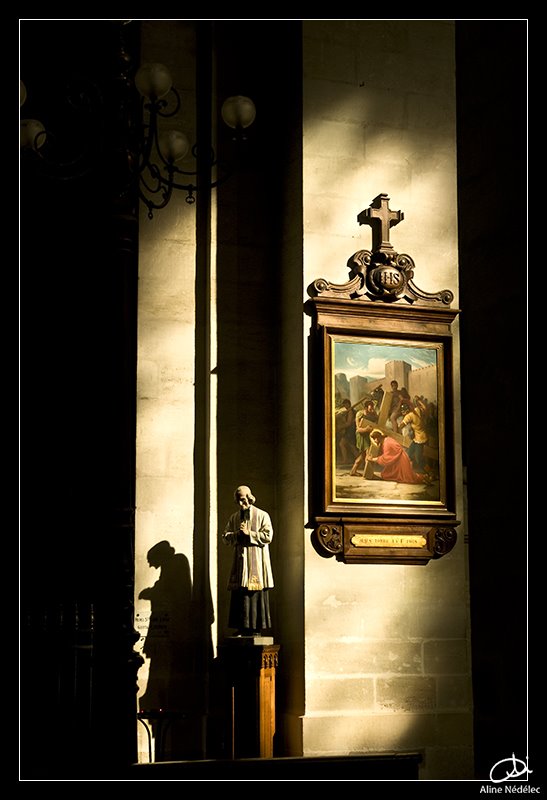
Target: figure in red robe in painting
[{"x": 394, "y": 459}]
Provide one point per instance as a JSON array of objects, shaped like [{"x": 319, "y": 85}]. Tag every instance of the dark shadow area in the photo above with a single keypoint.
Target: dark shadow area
[
  {"x": 168, "y": 643},
  {"x": 249, "y": 208},
  {"x": 168, "y": 706},
  {"x": 259, "y": 294},
  {"x": 401, "y": 766},
  {"x": 78, "y": 268},
  {"x": 57, "y": 679},
  {"x": 492, "y": 191}
]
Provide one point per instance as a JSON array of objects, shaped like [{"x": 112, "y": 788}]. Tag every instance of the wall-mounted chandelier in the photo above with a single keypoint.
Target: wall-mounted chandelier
[
  {"x": 158, "y": 152},
  {"x": 161, "y": 150}
]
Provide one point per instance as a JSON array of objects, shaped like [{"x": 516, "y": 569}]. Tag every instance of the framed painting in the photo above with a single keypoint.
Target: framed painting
[
  {"x": 381, "y": 439},
  {"x": 385, "y": 420},
  {"x": 383, "y": 477}
]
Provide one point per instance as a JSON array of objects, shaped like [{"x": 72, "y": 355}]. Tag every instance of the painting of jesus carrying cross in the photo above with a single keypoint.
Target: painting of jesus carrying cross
[{"x": 386, "y": 403}]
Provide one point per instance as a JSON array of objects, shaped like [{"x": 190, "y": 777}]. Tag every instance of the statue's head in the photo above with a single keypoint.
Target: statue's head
[{"x": 244, "y": 496}]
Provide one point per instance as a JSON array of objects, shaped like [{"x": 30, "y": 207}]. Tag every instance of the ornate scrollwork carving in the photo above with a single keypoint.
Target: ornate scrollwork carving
[
  {"x": 381, "y": 273},
  {"x": 360, "y": 261},
  {"x": 340, "y": 290},
  {"x": 445, "y": 539},
  {"x": 330, "y": 539},
  {"x": 445, "y": 296}
]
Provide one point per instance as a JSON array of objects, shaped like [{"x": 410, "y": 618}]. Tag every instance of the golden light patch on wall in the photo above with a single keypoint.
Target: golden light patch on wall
[
  {"x": 361, "y": 732},
  {"x": 352, "y": 601},
  {"x": 385, "y": 125}
]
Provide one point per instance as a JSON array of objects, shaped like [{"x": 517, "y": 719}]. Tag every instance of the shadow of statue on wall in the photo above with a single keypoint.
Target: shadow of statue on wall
[
  {"x": 169, "y": 641},
  {"x": 178, "y": 645}
]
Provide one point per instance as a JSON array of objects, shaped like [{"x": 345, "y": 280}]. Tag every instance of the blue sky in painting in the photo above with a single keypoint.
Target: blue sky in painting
[{"x": 369, "y": 359}]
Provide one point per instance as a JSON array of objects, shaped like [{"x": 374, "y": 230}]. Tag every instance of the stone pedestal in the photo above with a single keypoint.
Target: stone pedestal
[{"x": 249, "y": 664}]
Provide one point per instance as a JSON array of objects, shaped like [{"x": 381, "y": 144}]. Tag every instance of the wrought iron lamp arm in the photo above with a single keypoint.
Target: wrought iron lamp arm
[
  {"x": 150, "y": 153},
  {"x": 166, "y": 186}
]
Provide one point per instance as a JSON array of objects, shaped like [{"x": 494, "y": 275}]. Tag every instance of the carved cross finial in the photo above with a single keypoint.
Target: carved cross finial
[
  {"x": 381, "y": 219},
  {"x": 380, "y": 273}
]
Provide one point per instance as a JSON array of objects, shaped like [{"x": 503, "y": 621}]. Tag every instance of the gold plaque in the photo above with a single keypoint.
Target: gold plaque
[{"x": 384, "y": 540}]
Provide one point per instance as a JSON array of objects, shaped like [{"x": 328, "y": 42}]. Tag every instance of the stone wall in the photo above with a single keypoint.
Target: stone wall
[
  {"x": 387, "y": 664},
  {"x": 372, "y": 658}
]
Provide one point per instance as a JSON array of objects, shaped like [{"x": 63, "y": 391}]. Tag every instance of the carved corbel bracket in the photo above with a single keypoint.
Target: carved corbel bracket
[
  {"x": 445, "y": 539},
  {"x": 329, "y": 540}
]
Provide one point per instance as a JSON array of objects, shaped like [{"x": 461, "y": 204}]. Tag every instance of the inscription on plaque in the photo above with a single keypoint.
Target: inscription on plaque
[{"x": 382, "y": 540}]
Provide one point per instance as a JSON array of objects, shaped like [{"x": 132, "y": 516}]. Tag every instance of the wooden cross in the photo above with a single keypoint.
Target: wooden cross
[
  {"x": 383, "y": 417},
  {"x": 381, "y": 219},
  {"x": 374, "y": 449}
]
